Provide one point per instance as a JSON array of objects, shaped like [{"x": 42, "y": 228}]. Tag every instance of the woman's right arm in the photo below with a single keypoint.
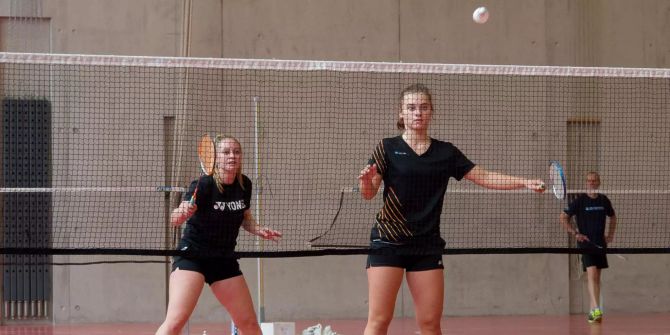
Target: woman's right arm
[
  {"x": 182, "y": 213},
  {"x": 369, "y": 181}
]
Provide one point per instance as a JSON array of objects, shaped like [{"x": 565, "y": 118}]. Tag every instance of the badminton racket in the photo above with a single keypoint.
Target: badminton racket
[
  {"x": 557, "y": 180},
  {"x": 601, "y": 247},
  {"x": 207, "y": 158}
]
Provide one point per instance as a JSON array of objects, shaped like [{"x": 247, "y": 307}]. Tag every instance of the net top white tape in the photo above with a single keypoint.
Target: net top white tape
[{"x": 338, "y": 66}]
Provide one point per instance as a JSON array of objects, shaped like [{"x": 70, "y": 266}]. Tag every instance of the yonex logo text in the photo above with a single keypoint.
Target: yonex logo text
[{"x": 230, "y": 206}]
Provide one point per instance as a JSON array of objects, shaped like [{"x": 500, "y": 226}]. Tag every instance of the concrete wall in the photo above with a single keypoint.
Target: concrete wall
[{"x": 584, "y": 33}]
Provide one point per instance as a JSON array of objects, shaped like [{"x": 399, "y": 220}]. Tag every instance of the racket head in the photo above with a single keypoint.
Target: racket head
[
  {"x": 557, "y": 178},
  {"x": 206, "y": 154}
]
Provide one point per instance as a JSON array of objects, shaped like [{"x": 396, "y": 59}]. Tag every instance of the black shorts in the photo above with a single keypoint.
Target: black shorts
[
  {"x": 408, "y": 262},
  {"x": 213, "y": 268},
  {"x": 597, "y": 260}
]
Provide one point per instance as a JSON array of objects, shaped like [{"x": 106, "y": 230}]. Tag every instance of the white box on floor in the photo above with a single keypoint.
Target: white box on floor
[{"x": 278, "y": 328}]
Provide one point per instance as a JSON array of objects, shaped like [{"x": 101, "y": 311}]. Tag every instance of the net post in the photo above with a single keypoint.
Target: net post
[{"x": 259, "y": 191}]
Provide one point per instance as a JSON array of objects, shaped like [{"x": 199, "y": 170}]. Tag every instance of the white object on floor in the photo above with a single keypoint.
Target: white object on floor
[
  {"x": 278, "y": 328},
  {"x": 313, "y": 330}
]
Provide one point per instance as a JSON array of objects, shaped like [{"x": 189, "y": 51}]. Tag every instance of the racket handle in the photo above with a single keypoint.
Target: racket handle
[
  {"x": 595, "y": 245},
  {"x": 195, "y": 192}
]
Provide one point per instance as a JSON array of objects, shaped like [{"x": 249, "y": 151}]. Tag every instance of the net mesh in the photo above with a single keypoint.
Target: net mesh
[{"x": 97, "y": 150}]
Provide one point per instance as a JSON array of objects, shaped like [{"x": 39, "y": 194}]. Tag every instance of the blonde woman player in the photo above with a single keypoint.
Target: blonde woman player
[
  {"x": 415, "y": 169},
  {"x": 213, "y": 222}
]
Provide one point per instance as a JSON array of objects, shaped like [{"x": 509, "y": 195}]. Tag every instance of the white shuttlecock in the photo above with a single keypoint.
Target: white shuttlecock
[{"x": 480, "y": 15}]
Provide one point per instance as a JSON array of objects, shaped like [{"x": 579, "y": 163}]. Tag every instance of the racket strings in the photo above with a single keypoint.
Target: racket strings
[{"x": 557, "y": 178}]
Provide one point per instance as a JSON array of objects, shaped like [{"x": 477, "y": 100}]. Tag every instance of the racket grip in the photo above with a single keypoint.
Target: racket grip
[{"x": 195, "y": 192}]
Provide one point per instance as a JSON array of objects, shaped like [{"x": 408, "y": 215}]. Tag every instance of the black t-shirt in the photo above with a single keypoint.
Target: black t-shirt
[
  {"x": 216, "y": 223},
  {"x": 414, "y": 188},
  {"x": 591, "y": 216}
]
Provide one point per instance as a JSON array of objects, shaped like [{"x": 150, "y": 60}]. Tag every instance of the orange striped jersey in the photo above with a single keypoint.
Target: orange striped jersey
[{"x": 414, "y": 189}]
